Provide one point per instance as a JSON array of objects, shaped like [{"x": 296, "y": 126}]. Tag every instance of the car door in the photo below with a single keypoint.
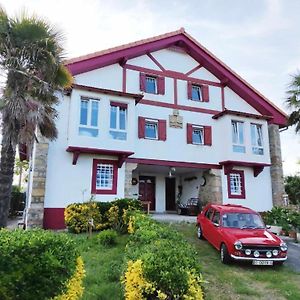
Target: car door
[
  {"x": 206, "y": 223},
  {"x": 216, "y": 237}
]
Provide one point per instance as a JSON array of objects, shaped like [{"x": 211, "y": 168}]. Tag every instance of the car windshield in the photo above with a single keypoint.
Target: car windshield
[{"x": 242, "y": 221}]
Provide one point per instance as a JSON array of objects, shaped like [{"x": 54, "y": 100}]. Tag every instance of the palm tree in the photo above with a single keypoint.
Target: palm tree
[
  {"x": 31, "y": 57},
  {"x": 293, "y": 102}
]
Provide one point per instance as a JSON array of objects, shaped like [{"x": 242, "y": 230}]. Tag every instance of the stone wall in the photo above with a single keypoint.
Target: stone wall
[
  {"x": 130, "y": 190},
  {"x": 211, "y": 192},
  {"x": 276, "y": 167},
  {"x": 35, "y": 213}
]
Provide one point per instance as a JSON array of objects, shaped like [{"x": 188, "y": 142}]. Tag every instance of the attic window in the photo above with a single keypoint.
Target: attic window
[{"x": 151, "y": 85}]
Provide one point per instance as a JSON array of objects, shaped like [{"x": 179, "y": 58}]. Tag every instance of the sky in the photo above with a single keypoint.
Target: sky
[{"x": 259, "y": 39}]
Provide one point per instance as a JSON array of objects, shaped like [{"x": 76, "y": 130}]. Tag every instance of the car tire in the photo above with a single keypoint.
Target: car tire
[
  {"x": 199, "y": 232},
  {"x": 224, "y": 255},
  {"x": 279, "y": 263}
]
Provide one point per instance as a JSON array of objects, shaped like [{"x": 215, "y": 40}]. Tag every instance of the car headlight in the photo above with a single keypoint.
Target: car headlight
[
  {"x": 275, "y": 252},
  {"x": 283, "y": 247},
  {"x": 247, "y": 251},
  {"x": 238, "y": 245}
]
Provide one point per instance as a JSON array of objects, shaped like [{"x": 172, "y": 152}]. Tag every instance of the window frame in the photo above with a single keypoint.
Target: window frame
[
  {"x": 117, "y": 129},
  {"x": 238, "y": 144},
  {"x": 89, "y": 125},
  {"x": 152, "y": 121},
  {"x": 103, "y": 191},
  {"x": 199, "y": 87},
  {"x": 155, "y": 78},
  {"x": 242, "y": 195},
  {"x": 256, "y": 146}
]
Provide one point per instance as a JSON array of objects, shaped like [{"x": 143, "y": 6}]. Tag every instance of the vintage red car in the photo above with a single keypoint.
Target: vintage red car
[{"x": 240, "y": 234}]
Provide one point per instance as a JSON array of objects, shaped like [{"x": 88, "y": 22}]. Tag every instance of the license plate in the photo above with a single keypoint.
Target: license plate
[{"x": 262, "y": 262}]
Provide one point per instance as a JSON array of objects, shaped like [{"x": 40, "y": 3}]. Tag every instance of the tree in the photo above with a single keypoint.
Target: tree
[
  {"x": 292, "y": 188},
  {"x": 293, "y": 102},
  {"x": 31, "y": 57}
]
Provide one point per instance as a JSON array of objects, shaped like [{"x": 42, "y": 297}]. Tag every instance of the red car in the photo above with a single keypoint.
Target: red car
[{"x": 240, "y": 235}]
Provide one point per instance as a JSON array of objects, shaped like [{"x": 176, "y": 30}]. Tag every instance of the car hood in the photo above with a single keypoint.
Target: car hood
[{"x": 252, "y": 236}]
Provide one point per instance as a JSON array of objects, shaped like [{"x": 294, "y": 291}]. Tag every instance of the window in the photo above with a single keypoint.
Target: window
[
  {"x": 118, "y": 121},
  {"x": 104, "y": 179},
  {"x": 238, "y": 136},
  {"x": 151, "y": 85},
  {"x": 89, "y": 115},
  {"x": 257, "y": 139},
  {"x": 216, "y": 217},
  {"x": 151, "y": 131},
  {"x": 196, "y": 93},
  {"x": 236, "y": 184},
  {"x": 198, "y": 135},
  {"x": 209, "y": 213}
]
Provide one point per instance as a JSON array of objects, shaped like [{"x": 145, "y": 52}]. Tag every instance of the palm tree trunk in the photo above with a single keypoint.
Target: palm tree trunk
[{"x": 7, "y": 162}]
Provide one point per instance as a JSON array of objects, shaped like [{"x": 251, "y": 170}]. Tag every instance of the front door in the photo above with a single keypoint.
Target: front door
[
  {"x": 147, "y": 190},
  {"x": 170, "y": 194}
]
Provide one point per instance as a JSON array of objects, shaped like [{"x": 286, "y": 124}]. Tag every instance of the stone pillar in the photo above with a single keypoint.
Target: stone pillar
[
  {"x": 211, "y": 192},
  {"x": 129, "y": 189},
  {"x": 276, "y": 167},
  {"x": 35, "y": 213}
]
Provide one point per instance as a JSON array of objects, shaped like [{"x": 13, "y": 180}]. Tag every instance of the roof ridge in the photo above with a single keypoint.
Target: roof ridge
[{"x": 124, "y": 46}]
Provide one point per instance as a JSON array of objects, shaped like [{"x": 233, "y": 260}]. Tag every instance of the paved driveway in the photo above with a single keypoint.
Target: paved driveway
[{"x": 293, "y": 260}]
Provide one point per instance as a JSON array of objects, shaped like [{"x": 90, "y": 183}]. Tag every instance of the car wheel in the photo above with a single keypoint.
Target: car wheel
[
  {"x": 199, "y": 232},
  {"x": 279, "y": 263},
  {"x": 224, "y": 255}
]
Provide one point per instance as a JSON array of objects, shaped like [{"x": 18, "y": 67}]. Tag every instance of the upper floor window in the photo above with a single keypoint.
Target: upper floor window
[
  {"x": 198, "y": 92},
  {"x": 104, "y": 178},
  {"x": 118, "y": 121},
  {"x": 238, "y": 136},
  {"x": 152, "y": 84},
  {"x": 152, "y": 129},
  {"x": 257, "y": 139},
  {"x": 199, "y": 135},
  {"x": 236, "y": 184},
  {"x": 89, "y": 117}
]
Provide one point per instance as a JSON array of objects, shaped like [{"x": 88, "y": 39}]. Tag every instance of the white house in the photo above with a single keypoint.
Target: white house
[{"x": 161, "y": 119}]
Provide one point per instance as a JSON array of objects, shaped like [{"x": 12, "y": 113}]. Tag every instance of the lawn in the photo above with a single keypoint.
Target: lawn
[
  {"x": 238, "y": 281},
  {"x": 102, "y": 266}
]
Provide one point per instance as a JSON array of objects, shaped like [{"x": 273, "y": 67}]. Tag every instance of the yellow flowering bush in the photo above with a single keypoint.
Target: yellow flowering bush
[
  {"x": 75, "y": 284},
  {"x": 194, "y": 291}
]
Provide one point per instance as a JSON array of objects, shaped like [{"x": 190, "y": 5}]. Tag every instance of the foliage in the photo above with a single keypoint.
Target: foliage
[
  {"x": 292, "y": 188},
  {"x": 75, "y": 284},
  {"x": 17, "y": 201},
  {"x": 172, "y": 271},
  {"x": 107, "y": 237},
  {"x": 35, "y": 264},
  {"x": 105, "y": 215},
  {"x": 293, "y": 102}
]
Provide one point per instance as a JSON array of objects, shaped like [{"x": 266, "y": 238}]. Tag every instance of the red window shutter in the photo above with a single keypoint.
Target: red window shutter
[
  {"x": 162, "y": 130},
  {"x": 207, "y": 136},
  {"x": 189, "y": 133},
  {"x": 143, "y": 82},
  {"x": 141, "y": 128},
  {"x": 161, "y": 85},
  {"x": 205, "y": 93},
  {"x": 189, "y": 90}
]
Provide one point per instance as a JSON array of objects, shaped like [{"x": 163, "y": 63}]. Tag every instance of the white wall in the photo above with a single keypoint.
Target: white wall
[
  {"x": 190, "y": 188},
  {"x": 258, "y": 190}
]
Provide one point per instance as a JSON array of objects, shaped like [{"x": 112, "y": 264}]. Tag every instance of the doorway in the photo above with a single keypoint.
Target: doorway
[
  {"x": 170, "y": 193},
  {"x": 147, "y": 190}
]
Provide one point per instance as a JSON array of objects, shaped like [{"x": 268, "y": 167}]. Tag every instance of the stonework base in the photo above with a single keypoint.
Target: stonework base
[{"x": 130, "y": 190}]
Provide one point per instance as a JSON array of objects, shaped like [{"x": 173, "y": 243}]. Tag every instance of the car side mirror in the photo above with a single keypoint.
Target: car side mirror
[{"x": 268, "y": 226}]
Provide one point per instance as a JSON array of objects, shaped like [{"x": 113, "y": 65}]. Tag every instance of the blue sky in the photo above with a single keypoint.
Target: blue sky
[{"x": 259, "y": 39}]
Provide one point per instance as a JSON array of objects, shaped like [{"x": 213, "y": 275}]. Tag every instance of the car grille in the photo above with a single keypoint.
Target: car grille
[{"x": 261, "y": 249}]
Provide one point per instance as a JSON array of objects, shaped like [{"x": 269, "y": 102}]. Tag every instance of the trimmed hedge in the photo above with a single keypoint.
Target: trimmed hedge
[
  {"x": 35, "y": 264},
  {"x": 160, "y": 264},
  {"x": 105, "y": 215}
]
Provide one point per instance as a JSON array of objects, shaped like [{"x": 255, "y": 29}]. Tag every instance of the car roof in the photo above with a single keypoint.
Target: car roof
[{"x": 232, "y": 208}]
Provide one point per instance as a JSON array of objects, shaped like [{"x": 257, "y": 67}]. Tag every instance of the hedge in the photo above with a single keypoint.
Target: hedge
[
  {"x": 105, "y": 215},
  {"x": 38, "y": 265},
  {"x": 159, "y": 263}
]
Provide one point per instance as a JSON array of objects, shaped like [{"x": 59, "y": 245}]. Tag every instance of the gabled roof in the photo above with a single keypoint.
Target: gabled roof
[{"x": 181, "y": 39}]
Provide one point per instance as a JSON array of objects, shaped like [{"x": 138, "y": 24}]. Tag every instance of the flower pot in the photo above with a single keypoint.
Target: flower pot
[
  {"x": 275, "y": 229},
  {"x": 293, "y": 234}
]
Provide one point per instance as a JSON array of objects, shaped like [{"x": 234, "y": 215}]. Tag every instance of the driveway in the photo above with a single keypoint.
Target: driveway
[{"x": 293, "y": 260}]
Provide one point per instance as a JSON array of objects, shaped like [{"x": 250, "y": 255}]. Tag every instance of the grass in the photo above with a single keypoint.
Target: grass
[
  {"x": 240, "y": 281},
  {"x": 103, "y": 266}
]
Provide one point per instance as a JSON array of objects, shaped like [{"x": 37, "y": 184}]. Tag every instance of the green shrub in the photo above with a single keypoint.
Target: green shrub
[
  {"x": 107, "y": 237},
  {"x": 35, "y": 264}
]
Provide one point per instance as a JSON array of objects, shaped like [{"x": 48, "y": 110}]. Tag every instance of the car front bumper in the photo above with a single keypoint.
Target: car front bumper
[{"x": 259, "y": 259}]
